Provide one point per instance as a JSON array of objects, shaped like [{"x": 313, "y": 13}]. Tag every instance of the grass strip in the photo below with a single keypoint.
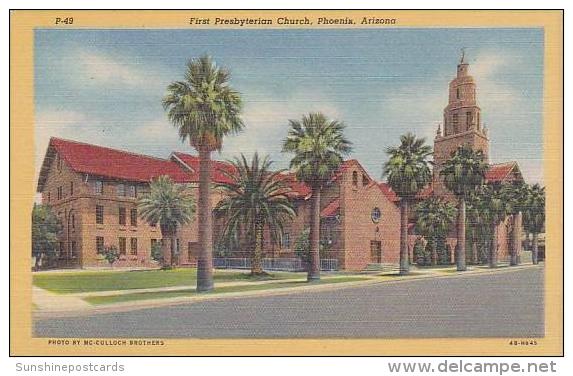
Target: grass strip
[{"x": 113, "y": 299}]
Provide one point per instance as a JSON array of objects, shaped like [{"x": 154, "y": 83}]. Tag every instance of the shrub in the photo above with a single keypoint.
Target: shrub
[
  {"x": 111, "y": 254},
  {"x": 157, "y": 253},
  {"x": 422, "y": 254}
]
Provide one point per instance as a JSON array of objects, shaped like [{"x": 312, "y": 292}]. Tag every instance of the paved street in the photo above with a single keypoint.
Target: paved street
[{"x": 503, "y": 304}]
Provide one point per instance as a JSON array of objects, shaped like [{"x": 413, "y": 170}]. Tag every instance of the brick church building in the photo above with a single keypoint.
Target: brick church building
[{"x": 93, "y": 189}]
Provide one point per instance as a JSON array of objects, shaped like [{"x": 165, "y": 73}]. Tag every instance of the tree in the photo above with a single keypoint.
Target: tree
[
  {"x": 45, "y": 229},
  {"x": 169, "y": 205},
  {"x": 302, "y": 246},
  {"x": 478, "y": 226},
  {"x": 255, "y": 198},
  {"x": 111, "y": 254},
  {"x": 463, "y": 173},
  {"x": 494, "y": 209},
  {"x": 434, "y": 217},
  {"x": 421, "y": 254},
  {"x": 534, "y": 216},
  {"x": 318, "y": 145},
  {"x": 204, "y": 108},
  {"x": 515, "y": 195},
  {"x": 407, "y": 172}
]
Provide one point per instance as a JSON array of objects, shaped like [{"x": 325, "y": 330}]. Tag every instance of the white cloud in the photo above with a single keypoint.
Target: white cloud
[
  {"x": 106, "y": 70},
  {"x": 266, "y": 124},
  {"x": 488, "y": 69}
]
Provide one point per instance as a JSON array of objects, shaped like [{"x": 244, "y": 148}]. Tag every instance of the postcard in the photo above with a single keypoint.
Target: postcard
[{"x": 286, "y": 182}]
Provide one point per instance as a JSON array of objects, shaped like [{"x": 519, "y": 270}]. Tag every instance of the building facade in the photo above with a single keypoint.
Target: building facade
[{"x": 94, "y": 190}]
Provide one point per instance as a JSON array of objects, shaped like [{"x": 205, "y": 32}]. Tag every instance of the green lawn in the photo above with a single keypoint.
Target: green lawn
[
  {"x": 111, "y": 299},
  {"x": 70, "y": 282}
]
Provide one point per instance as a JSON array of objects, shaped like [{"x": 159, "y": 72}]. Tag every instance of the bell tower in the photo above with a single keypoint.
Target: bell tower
[{"x": 462, "y": 123}]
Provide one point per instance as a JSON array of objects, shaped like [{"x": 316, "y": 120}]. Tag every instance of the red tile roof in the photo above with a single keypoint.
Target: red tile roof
[
  {"x": 331, "y": 209},
  {"x": 300, "y": 189},
  {"x": 192, "y": 162},
  {"x": 110, "y": 163},
  {"x": 388, "y": 192},
  {"x": 501, "y": 171}
]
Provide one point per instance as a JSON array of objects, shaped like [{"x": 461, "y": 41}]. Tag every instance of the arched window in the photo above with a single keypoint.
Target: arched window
[{"x": 355, "y": 178}]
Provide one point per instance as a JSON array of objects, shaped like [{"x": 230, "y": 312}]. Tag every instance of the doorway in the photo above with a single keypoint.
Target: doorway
[{"x": 376, "y": 252}]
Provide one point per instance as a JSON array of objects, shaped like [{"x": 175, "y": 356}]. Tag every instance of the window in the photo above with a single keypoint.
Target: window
[
  {"x": 469, "y": 119},
  {"x": 133, "y": 217},
  {"x": 61, "y": 249},
  {"x": 189, "y": 251},
  {"x": 455, "y": 122},
  {"x": 122, "y": 216},
  {"x": 60, "y": 193},
  {"x": 133, "y": 246},
  {"x": 365, "y": 180},
  {"x": 99, "y": 214},
  {"x": 121, "y": 190},
  {"x": 71, "y": 188},
  {"x": 98, "y": 187},
  {"x": 73, "y": 249},
  {"x": 49, "y": 197},
  {"x": 328, "y": 235},
  {"x": 122, "y": 246},
  {"x": 458, "y": 93},
  {"x": 355, "y": 178},
  {"x": 73, "y": 220},
  {"x": 177, "y": 249},
  {"x": 153, "y": 243},
  {"x": 99, "y": 245},
  {"x": 375, "y": 215},
  {"x": 132, "y": 191},
  {"x": 286, "y": 240}
]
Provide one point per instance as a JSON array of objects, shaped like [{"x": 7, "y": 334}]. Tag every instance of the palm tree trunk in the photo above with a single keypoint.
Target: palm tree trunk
[
  {"x": 493, "y": 248},
  {"x": 205, "y": 259},
  {"x": 535, "y": 249},
  {"x": 165, "y": 249},
  {"x": 256, "y": 262},
  {"x": 404, "y": 264},
  {"x": 434, "y": 251},
  {"x": 516, "y": 240},
  {"x": 461, "y": 243},
  {"x": 474, "y": 251},
  {"x": 172, "y": 249},
  {"x": 314, "y": 266}
]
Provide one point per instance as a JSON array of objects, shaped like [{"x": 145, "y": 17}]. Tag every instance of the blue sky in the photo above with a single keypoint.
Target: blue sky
[{"x": 105, "y": 86}]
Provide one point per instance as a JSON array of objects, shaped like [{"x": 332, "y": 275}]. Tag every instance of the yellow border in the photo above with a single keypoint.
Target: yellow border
[{"x": 22, "y": 185}]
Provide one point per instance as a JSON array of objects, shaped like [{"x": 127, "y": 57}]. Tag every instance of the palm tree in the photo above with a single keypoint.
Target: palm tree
[
  {"x": 534, "y": 216},
  {"x": 407, "y": 172},
  {"x": 169, "y": 205},
  {"x": 515, "y": 195},
  {"x": 204, "y": 109},
  {"x": 434, "y": 217},
  {"x": 255, "y": 198},
  {"x": 494, "y": 209},
  {"x": 463, "y": 173},
  {"x": 318, "y": 145},
  {"x": 477, "y": 224}
]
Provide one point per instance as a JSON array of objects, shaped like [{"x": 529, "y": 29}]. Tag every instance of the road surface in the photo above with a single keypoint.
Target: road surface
[{"x": 503, "y": 304}]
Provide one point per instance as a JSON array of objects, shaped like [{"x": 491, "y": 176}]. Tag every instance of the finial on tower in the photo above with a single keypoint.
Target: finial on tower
[
  {"x": 439, "y": 131},
  {"x": 463, "y": 56}
]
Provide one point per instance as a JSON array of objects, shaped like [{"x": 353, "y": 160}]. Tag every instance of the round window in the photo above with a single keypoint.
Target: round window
[{"x": 375, "y": 215}]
